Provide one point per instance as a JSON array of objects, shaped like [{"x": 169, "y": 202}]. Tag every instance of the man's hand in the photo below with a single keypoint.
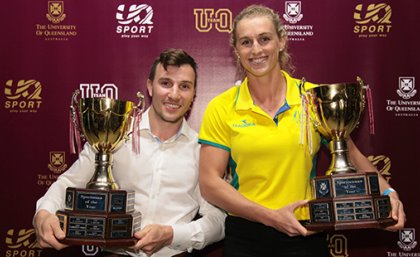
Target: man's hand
[
  {"x": 397, "y": 212},
  {"x": 153, "y": 237},
  {"x": 48, "y": 231}
]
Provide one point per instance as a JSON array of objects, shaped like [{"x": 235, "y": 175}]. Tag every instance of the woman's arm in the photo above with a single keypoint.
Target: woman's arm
[
  {"x": 362, "y": 164},
  {"x": 213, "y": 163}
]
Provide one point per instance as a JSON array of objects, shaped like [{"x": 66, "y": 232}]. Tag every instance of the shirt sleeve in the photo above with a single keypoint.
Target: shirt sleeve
[
  {"x": 214, "y": 126},
  {"x": 76, "y": 176},
  {"x": 207, "y": 229}
]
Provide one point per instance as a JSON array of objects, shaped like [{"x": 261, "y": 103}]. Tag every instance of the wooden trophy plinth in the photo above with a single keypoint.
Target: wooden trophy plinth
[
  {"x": 99, "y": 217},
  {"x": 348, "y": 201}
]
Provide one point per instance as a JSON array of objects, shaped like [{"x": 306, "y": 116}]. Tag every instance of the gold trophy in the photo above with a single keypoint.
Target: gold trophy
[
  {"x": 344, "y": 199},
  {"x": 101, "y": 214}
]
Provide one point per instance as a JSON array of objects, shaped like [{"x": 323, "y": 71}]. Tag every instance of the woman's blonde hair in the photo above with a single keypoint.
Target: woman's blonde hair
[{"x": 261, "y": 10}]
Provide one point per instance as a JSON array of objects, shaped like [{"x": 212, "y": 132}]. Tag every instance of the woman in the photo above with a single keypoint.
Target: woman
[{"x": 256, "y": 130}]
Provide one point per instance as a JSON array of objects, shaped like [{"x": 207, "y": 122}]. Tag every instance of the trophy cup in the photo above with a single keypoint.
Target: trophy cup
[
  {"x": 101, "y": 214},
  {"x": 344, "y": 199}
]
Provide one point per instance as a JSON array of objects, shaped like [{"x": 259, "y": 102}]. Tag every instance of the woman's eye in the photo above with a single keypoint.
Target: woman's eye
[
  {"x": 246, "y": 43},
  {"x": 264, "y": 40}
]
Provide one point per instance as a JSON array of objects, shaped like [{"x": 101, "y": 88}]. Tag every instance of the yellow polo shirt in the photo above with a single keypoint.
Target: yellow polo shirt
[{"x": 272, "y": 160}]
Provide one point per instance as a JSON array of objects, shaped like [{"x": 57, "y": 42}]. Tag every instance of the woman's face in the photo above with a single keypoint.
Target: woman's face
[{"x": 258, "y": 45}]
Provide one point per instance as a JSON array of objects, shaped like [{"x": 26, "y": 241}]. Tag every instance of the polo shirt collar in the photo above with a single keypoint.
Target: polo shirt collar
[{"x": 244, "y": 100}]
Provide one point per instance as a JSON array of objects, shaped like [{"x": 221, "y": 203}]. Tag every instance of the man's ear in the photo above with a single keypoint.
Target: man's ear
[{"x": 149, "y": 87}]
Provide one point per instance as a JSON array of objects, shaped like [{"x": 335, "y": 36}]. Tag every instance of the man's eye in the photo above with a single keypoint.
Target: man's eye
[
  {"x": 165, "y": 84},
  {"x": 185, "y": 87}
]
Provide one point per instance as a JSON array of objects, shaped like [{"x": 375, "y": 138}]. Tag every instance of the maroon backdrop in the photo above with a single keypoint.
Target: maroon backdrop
[{"x": 50, "y": 48}]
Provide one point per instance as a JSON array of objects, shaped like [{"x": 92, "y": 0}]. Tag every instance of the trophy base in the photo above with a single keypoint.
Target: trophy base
[
  {"x": 376, "y": 224},
  {"x": 100, "y": 229},
  {"x": 350, "y": 213},
  {"x": 100, "y": 242},
  {"x": 348, "y": 201}
]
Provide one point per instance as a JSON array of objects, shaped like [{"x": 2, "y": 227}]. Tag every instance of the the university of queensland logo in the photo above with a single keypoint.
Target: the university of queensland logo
[
  {"x": 292, "y": 11},
  {"x": 56, "y": 11},
  {"x": 407, "y": 239},
  {"x": 323, "y": 188},
  {"x": 406, "y": 87},
  {"x": 57, "y": 162}
]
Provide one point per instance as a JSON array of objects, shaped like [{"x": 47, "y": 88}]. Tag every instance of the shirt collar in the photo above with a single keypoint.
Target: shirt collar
[
  {"x": 244, "y": 100},
  {"x": 185, "y": 129}
]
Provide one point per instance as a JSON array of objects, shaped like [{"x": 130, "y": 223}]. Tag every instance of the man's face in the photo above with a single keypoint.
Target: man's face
[{"x": 172, "y": 92}]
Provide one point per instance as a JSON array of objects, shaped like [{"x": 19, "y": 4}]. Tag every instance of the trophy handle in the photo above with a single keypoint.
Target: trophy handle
[
  {"x": 307, "y": 96},
  {"x": 141, "y": 104},
  {"x": 135, "y": 131},
  {"x": 302, "y": 85},
  {"x": 365, "y": 89},
  {"x": 137, "y": 112},
  {"x": 367, "y": 99},
  {"x": 75, "y": 132},
  {"x": 73, "y": 108}
]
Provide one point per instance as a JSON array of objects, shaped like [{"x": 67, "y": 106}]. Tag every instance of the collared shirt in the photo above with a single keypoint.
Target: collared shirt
[
  {"x": 164, "y": 177},
  {"x": 271, "y": 159}
]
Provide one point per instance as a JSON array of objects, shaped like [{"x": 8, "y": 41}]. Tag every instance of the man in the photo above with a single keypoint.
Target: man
[{"x": 164, "y": 175}]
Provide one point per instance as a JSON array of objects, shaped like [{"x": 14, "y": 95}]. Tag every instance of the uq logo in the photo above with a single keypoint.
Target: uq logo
[
  {"x": 406, "y": 88},
  {"x": 90, "y": 250},
  {"x": 375, "y": 19},
  {"x": 134, "y": 14},
  {"x": 23, "y": 95},
  {"x": 383, "y": 164},
  {"x": 407, "y": 239},
  {"x": 56, "y": 11},
  {"x": 136, "y": 22},
  {"x": 205, "y": 18},
  {"x": 57, "y": 162},
  {"x": 22, "y": 242},
  {"x": 292, "y": 11},
  {"x": 96, "y": 90},
  {"x": 337, "y": 244}
]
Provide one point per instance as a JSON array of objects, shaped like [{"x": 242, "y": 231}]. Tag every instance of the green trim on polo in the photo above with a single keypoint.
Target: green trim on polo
[{"x": 214, "y": 144}]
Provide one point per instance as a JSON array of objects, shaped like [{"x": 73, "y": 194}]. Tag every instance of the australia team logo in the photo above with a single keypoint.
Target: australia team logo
[
  {"x": 406, "y": 88},
  {"x": 407, "y": 239},
  {"x": 56, "y": 11},
  {"x": 292, "y": 11}
]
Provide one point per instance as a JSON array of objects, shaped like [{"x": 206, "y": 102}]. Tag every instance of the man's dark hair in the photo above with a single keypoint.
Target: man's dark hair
[{"x": 174, "y": 57}]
